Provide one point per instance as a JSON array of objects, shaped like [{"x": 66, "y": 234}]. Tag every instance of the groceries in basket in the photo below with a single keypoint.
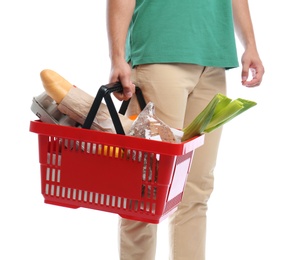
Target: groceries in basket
[
  {"x": 218, "y": 112},
  {"x": 147, "y": 125},
  {"x": 73, "y": 104}
]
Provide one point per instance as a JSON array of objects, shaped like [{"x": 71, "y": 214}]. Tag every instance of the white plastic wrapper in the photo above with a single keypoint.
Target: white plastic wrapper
[{"x": 147, "y": 125}]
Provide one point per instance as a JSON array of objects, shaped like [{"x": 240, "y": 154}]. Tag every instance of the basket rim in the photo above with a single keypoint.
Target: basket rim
[{"x": 112, "y": 139}]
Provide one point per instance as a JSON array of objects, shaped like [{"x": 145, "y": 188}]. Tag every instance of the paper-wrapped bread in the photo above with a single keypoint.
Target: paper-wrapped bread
[{"x": 76, "y": 103}]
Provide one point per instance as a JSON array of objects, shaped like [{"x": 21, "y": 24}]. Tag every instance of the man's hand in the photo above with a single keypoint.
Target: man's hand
[
  {"x": 252, "y": 69},
  {"x": 121, "y": 71}
]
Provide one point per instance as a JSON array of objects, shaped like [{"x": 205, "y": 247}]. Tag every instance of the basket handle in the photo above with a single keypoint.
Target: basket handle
[{"x": 104, "y": 92}]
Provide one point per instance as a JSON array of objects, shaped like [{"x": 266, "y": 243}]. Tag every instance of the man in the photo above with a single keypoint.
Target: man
[{"x": 177, "y": 52}]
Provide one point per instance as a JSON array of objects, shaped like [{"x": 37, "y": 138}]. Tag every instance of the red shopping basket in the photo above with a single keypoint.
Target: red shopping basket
[{"x": 138, "y": 179}]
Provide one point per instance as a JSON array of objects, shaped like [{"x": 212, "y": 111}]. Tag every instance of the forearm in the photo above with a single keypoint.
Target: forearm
[
  {"x": 250, "y": 59},
  {"x": 119, "y": 14},
  {"x": 243, "y": 23}
]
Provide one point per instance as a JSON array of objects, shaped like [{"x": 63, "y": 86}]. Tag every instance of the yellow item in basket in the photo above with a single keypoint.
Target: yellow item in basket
[{"x": 110, "y": 151}]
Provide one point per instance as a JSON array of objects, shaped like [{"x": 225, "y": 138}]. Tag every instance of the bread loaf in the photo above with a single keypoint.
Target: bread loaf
[{"x": 55, "y": 85}]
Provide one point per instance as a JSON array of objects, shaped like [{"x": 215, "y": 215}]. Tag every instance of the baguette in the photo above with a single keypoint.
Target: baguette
[{"x": 55, "y": 85}]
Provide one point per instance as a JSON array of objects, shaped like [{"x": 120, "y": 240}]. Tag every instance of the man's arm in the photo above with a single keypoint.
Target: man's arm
[
  {"x": 119, "y": 14},
  {"x": 244, "y": 30}
]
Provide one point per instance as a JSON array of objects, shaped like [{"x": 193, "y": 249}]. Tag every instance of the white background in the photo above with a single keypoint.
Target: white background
[{"x": 250, "y": 211}]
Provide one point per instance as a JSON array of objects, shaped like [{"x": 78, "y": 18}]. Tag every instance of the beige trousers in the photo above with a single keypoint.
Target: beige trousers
[{"x": 179, "y": 92}]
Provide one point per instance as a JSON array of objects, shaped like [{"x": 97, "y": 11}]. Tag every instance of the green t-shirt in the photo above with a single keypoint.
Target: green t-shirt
[{"x": 182, "y": 31}]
